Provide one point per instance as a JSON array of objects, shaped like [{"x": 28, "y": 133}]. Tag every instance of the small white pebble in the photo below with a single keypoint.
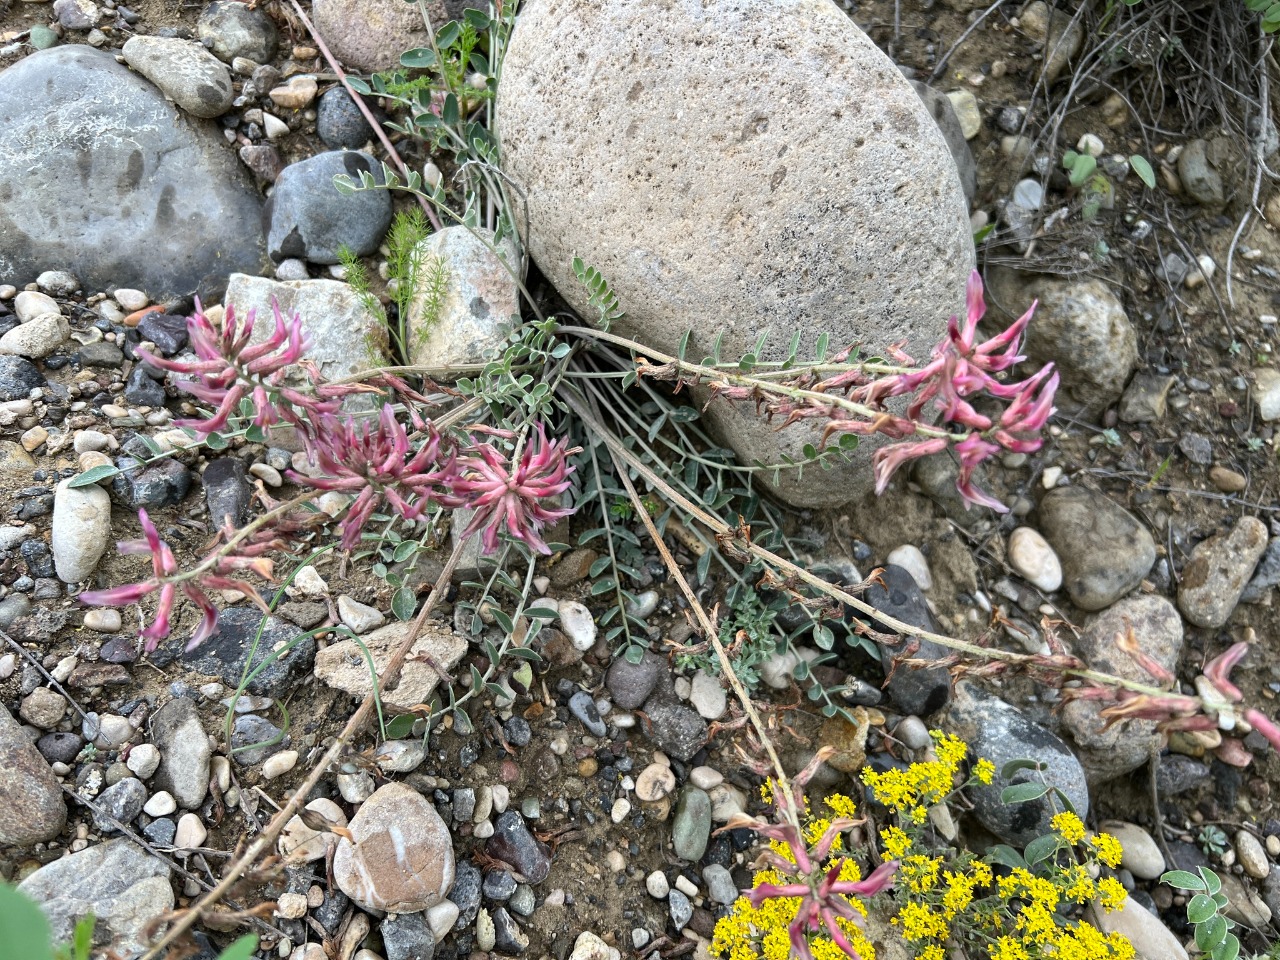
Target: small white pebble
[
  {"x": 686, "y": 886},
  {"x": 191, "y": 832},
  {"x": 910, "y": 559},
  {"x": 705, "y": 777},
  {"x": 267, "y": 474},
  {"x": 279, "y": 764},
  {"x": 483, "y": 830},
  {"x": 130, "y": 299},
  {"x": 160, "y": 804},
  {"x": 657, "y": 885},
  {"x": 621, "y": 807},
  {"x": 143, "y": 760},
  {"x": 8, "y": 664}
]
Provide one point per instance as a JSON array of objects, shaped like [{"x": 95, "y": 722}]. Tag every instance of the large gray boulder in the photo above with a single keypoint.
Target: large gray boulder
[
  {"x": 732, "y": 168},
  {"x": 102, "y": 177}
]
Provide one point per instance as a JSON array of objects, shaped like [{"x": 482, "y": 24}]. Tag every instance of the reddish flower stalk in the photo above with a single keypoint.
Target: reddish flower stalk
[{"x": 960, "y": 371}]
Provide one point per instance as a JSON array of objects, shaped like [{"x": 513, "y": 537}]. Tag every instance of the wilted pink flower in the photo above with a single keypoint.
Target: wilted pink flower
[
  {"x": 163, "y": 566},
  {"x": 973, "y": 450},
  {"x": 518, "y": 498},
  {"x": 887, "y": 460},
  {"x": 960, "y": 370}
]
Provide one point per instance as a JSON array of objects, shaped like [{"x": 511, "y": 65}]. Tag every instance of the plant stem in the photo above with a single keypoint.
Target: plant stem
[
  {"x": 699, "y": 372},
  {"x": 724, "y": 531}
]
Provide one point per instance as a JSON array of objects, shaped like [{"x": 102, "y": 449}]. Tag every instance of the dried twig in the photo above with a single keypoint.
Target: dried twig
[
  {"x": 27, "y": 655},
  {"x": 364, "y": 109}
]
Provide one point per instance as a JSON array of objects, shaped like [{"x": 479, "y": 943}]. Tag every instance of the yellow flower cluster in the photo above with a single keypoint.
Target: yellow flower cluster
[
  {"x": 746, "y": 933},
  {"x": 959, "y": 901},
  {"x": 912, "y": 791}
]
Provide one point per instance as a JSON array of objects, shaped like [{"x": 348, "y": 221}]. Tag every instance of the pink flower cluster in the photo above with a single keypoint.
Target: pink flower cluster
[
  {"x": 961, "y": 370},
  {"x": 378, "y": 461}
]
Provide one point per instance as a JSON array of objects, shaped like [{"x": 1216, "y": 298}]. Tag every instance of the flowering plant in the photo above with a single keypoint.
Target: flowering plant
[
  {"x": 806, "y": 896},
  {"x": 412, "y": 469},
  {"x": 852, "y": 395},
  {"x": 1004, "y": 905}
]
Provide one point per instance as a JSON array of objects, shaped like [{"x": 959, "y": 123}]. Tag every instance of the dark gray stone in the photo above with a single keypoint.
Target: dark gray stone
[
  {"x": 184, "y": 749},
  {"x": 29, "y": 794},
  {"x": 226, "y": 491},
  {"x": 631, "y": 683},
  {"x": 100, "y": 175},
  {"x": 582, "y": 706},
  {"x": 18, "y": 377},
  {"x": 509, "y": 939},
  {"x": 160, "y": 832},
  {"x": 999, "y": 732},
  {"x": 254, "y": 738},
  {"x": 1197, "y": 448},
  {"x": 917, "y": 691},
  {"x": 465, "y": 892},
  {"x": 60, "y": 747},
  {"x": 676, "y": 729},
  {"x": 123, "y": 801},
  {"x": 339, "y": 122},
  {"x": 499, "y": 885},
  {"x": 223, "y": 655},
  {"x": 309, "y": 219},
  {"x": 39, "y": 558},
  {"x": 101, "y": 354},
  {"x": 1266, "y": 575},
  {"x": 143, "y": 390},
  {"x": 231, "y": 30},
  {"x": 162, "y": 484},
  {"x": 517, "y": 732},
  {"x": 514, "y": 845},
  {"x": 1177, "y": 774},
  {"x": 167, "y": 331},
  {"x": 408, "y": 937},
  {"x": 330, "y": 913}
]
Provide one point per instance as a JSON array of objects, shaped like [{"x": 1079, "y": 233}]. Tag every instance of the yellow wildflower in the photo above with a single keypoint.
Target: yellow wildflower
[
  {"x": 1068, "y": 826},
  {"x": 984, "y": 771},
  {"x": 896, "y": 842},
  {"x": 1007, "y": 948},
  {"x": 1112, "y": 893},
  {"x": 1107, "y": 848}
]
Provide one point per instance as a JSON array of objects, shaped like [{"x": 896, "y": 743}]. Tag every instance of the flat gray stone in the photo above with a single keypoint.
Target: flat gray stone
[
  {"x": 101, "y": 176},
  {"x": 30, "y": 797},
  {"x": 121, "y": 884}
]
